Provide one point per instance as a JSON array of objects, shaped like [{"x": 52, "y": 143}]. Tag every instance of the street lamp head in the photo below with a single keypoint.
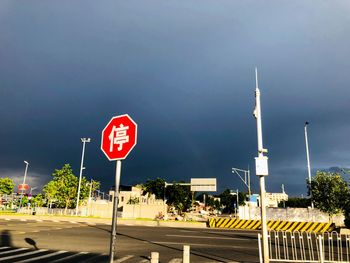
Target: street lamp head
[
  {"x": 86, "y": 139},
  {"x": 26, "y": 162},
  {"x": 306, "y": 123}
]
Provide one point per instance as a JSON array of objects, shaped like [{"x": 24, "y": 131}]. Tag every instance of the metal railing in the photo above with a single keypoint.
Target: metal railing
[{"x": 285, "y": 246}]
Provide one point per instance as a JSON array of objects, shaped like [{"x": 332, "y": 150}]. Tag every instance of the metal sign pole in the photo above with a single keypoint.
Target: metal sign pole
[
  {"x": 261, "y": 171},
  {"x": 115, "y": 212}
]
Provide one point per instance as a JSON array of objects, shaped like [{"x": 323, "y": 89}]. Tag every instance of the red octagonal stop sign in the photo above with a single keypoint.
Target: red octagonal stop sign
[{"x": 119, "y": 137}]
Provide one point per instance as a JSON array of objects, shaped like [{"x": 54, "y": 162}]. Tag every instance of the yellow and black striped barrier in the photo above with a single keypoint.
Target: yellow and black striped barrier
[{"x": 233, "y": 223}]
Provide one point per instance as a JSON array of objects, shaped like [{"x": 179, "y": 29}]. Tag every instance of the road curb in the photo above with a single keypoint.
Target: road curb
[{"x": 121, "y": 221}]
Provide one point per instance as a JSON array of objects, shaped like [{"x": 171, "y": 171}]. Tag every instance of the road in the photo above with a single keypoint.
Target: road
[{"x": 49, "y": 241}]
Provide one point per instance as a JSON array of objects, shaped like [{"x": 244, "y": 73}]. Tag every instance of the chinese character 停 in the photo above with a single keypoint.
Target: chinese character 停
[{"x": 118, "y": 136}]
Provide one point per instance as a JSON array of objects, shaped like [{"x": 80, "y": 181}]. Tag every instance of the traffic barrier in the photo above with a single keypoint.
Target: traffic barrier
[
  {"x": 296, "y": 246},
  {"x": 278, "y": 225}
]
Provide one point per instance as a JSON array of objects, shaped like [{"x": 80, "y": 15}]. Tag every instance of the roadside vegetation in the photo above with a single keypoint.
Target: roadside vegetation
[
  {"x": 328, "y": 191},
  {"x": 60, "y": 192}
]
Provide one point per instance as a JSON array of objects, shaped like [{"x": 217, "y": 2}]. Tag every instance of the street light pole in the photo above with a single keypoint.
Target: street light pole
[
  {"x": 308, "y": 162},
  {"x": 24, "y": 181},
  {"x": 245, "y": 181},
  {"x": 261, "y": 167},
  {"x": 237, "y": 205},
  {"x": 84, "y": 140}
]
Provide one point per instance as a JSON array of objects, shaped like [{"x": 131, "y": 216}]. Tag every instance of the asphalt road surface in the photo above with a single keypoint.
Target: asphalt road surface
[{"x": 48, "y": 241}]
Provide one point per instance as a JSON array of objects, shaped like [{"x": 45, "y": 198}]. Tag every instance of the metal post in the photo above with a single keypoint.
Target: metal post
[
  {"x": 186, "y": 254},
  {"x": 249, "y": 190},
  {"x": 24, "y": 181},
  {"x": 237, "y": 206},
  {"x": 261, "y": 150},
  {"x": 115, "y": 212},
  {"x": 154, "y": 257},
  {"x": 89, "y": 202},
  {"x": 320, "y": 244},
  {"x": 84, "y": 140},
  {"x": 308, "y": 162},
  {"x": 245, "y": 181},
  {"x": 259, "y": 245}
]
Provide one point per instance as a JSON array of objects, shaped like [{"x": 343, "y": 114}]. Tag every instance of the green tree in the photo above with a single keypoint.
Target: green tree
[
  {"x": 38, "y": 200},
  {"x": 63, "y": 187},
  {"x": 24, "y": 202},
  {"x": 6, "y": 186},
  {"x": 229, "y": 200},
  {"x": 296, "y": 202},
  {"x": 179, "y": 196},
  {"x": 50, "y": 191},
  {"x": 329, "y": 192},
  {"x": 214, "y": 203},
  {"x": 85, "y": 190},
  {"x": 155, "y": 187}
]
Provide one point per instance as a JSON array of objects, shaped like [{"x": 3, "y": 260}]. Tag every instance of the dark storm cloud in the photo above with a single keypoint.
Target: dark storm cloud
[{"x": 184, "y": 70}]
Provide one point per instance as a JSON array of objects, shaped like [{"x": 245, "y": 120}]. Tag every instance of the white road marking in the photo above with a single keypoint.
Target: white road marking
[
  {"x": 24, "y": 254},
  {"x": 19, "y": 232},
  {"x": 176, "y": 260},
  {"x": 23, "y": 220},
  {"x": 39, "y": 220},
  {"x": 41, "y": 257},
  {"x": 73, "y": 222},
  {"x": 223, "y": 238},
  {"x": 7, "y": 219},
  {"x": 123, "y": 259},
  {"x": 69, "y": 257},
  {"x": 13, "y": 250},
  {"x": 204, "y": 245},
  {"x": 2, "y": 248}
]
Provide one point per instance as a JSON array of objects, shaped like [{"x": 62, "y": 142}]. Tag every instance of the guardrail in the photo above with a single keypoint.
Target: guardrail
[
  {"x": 285, "y": 246},
  {"x": 318, "y": 227}
]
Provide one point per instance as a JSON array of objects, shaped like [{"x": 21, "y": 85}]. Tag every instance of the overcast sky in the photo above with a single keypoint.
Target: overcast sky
[{"x": 184, "y": 71}]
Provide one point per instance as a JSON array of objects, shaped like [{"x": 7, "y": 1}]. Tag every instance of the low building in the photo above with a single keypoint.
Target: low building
[
  {"x": 134, "y": 204},
  {"x": 272, "y": 199}
]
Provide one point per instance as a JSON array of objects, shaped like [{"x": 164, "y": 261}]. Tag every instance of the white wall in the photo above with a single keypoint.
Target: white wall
[{"x": 289, "y": 214}]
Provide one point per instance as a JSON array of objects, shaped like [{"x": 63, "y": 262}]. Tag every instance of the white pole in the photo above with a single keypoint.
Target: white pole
[
  {"x": 261, "y": 151},
  {"x": 259, "y": 245},
  {"x": 237, "y": 206},
  {"x": 89, "y": 203},
  {"x": 115, "y": 211},
  {"x": 320, "y": 244},
  {"x": 154, "y": 257},
  {"x": 308, "y": 161},
  {"x": 249, "y": 191},
  {"x": 24, "y": 181},
  {"x": 84, "y": 140},
  {"x": 186, "y": 254}
]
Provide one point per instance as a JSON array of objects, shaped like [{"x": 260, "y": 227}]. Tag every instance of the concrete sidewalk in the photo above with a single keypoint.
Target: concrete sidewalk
[{"x": 105, "y": 221}]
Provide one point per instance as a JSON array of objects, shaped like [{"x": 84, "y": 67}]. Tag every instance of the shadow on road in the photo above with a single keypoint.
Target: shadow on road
[
  {"x": 31, "y": 242},
  {"x": 193, "y": 252},
  {"x": 205, "y": 255},
  {"x": 5, "y": 239}
]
